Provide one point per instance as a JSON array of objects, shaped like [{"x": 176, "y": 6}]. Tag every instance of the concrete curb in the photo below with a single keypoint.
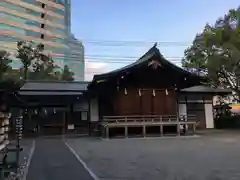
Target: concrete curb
[{"x": 29, "y": 160}]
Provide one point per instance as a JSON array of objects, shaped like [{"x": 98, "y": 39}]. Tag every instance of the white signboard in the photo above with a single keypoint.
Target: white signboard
[{"x": 70, "y": 126}]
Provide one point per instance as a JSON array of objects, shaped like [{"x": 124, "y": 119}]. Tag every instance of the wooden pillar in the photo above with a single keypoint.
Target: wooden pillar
[
  {"x": 178, "y": 128},
  {"x": 177, "y": 108},
  {"x": 194, "y": 128},
  {"x": 161, "y": 126},
  {"x": 161, "y": 129},
  {"x": 144, "y": 130},
  {"x": 126, "y": 131},
  {"x": 107, "y": 131},
  {"x": 89, "y": 119},
  {"x": 64, "y": 122}
]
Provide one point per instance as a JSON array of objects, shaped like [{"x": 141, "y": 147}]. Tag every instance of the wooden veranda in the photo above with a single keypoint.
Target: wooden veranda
[{"x": 183, "y": 125}]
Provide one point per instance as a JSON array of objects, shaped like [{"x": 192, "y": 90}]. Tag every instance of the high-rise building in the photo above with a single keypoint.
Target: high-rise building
[
  {"x": 41, "y": 21},
  {"x": 75, "y": 59}
]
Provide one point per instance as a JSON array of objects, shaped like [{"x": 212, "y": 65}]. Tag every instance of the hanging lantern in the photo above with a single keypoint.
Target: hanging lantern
[
  {"x": 125, "y": 91},
  {"x": 175, "y": 87},
  {"x": 139, "y": 92},
  {"x": 166, "y": 92},
  {"x": 117, "y": 84},
  {"x": 154, "y": 94}
]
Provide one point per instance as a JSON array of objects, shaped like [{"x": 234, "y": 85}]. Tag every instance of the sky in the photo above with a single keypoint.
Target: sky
[{"x": 173, "y": 24}]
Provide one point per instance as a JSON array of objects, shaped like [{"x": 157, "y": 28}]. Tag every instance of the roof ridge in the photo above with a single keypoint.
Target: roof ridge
[
  {"x": 153, "y": 50},
  {"x": 55, "y": 81}
]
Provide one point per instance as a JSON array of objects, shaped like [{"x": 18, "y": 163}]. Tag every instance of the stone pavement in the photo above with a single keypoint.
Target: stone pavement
[{"x": 52, "y": 160}]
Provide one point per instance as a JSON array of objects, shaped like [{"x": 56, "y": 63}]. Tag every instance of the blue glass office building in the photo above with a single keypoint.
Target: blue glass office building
[{"x": 42, "y": 21}]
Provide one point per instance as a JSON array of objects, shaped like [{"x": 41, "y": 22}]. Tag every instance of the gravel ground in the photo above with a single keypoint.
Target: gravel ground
[
  {"x": 26, "y": 144},
  {"x": 211, "y": 157}
]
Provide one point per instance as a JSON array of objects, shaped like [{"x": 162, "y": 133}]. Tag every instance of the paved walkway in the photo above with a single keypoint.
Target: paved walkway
[{"x": 52, "y": 160}]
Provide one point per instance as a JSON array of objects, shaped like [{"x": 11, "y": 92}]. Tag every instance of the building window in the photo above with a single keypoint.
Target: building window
[
  {"x": 34, "y": 13},
  {"x": 60, "y": 12},
  {"x": 12, "y": 17},
  {"x": 42, "y": 36},
  {"x": 12, "y": 6},
  {"x": 11, "y": 28},
  {"x": 42, "y": 26},
  {"x": 43, "y": 5},
  {"x": 32, "y": 23},
  {"x": 32, "y": 2},
  {"x": 9, "y": 39},
  {"x": 63, "y": 2},
  {"x": 42, "y": 15},
  {"x": 32, "y": 33}
]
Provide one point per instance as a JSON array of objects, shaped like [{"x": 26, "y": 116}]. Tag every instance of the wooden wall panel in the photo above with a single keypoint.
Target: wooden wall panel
[
  {"x": 171, "y": 103},
  {"x": 127, "y": 104},
  {"x": 147, "y": 102},
  {"x": 134, "y": 101},
  {"x": 159, "y": 106}
]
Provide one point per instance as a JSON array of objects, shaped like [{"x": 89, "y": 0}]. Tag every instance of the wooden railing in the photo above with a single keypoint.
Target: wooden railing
[
  {"x": 145, "y": 121},
  {"x": 148, "y": 118}
]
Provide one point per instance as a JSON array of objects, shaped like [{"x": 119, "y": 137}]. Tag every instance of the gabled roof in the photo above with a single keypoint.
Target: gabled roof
[
  {"x": 205, "y": 89},
  {"x": 54, "y": 86},
  {"x": 49, "y": 93},
  {"x": 152, "y": 53}
]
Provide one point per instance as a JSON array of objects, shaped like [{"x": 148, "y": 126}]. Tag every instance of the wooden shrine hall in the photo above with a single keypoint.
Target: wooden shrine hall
[{"x": 152, "y": 96}]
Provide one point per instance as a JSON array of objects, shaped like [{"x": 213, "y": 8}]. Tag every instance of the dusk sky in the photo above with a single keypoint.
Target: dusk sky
[{"x": 175, "y": 22}]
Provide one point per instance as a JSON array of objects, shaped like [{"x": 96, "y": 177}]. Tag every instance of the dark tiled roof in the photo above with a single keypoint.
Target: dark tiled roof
[
  {"x": 54, "y": 86},
  {"x": 151, "y": 53},
  {"x": 49, "y": 93},
  {"x": 205, "y": 89}
]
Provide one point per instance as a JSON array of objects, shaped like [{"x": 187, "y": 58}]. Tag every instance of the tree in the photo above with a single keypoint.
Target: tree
[
  {"x": 8, "y": 85},
  {"x": 216, "y": 51},
  {"x": 67, "y": 74},
  {"x": 4, "y": 63},
  {"x": 27, "y": 52},
  {"x": 44, "y": 70},
  {"x": 36, "y": 65}
]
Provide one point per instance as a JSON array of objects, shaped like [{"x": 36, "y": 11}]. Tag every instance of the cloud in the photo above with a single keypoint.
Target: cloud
[
  {"x": 95, "y": 65},
  {"x": 92, "y": 68}
]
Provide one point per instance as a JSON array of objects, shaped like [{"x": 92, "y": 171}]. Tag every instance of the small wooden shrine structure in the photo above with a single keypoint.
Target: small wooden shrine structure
[
  {"x": 55, "y": 107},
  {"x": 150, "y": 94}
]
